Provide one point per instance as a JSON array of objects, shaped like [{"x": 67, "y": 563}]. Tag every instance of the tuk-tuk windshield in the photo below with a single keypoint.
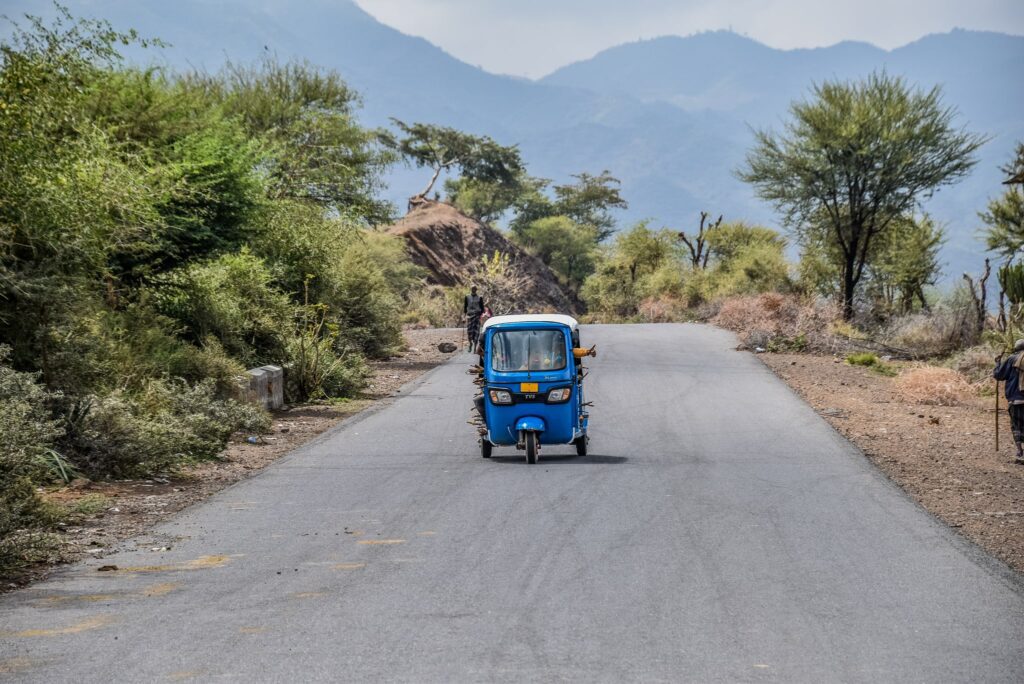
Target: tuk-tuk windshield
[{"x": 532, "y": 350}]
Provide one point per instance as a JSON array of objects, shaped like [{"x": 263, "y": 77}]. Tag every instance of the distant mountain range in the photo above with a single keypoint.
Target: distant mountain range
[{"x": 671, "y": 117}]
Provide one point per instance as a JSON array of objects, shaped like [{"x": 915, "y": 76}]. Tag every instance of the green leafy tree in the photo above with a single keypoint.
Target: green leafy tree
[
  {"x": 740, "y": 259},
  {"x": 906, "y": 261},
  {"x": 315, "y": 149},
  {"x": 625, "y": 273},
  {"x": 566, "y": 246},
  {"x": 861, "y": 154},
  {"x": 589, "y": 201},
  {"x": 200, "y": 164},
  {"x": 443, "y": 149},
  {"x": 486, "y": 201},
  {"x": 1004, "y": 218}
]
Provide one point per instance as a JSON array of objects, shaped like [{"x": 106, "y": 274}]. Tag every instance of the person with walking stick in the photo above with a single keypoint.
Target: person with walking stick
[{"x": 1010, "y": 372}]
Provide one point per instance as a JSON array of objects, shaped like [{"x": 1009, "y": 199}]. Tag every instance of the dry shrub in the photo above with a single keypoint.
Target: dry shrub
[
  {"x": 775, "y": 321},
  {"x": 933, "y": 385},
  {"x": 976, "y": 364},
  {"x": 942, "y": 331},
  {"x": 663, "y": 309}
]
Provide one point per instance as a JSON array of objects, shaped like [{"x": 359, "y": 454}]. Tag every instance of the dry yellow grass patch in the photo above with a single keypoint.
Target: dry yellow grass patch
[{"x": 933, "y": 385}]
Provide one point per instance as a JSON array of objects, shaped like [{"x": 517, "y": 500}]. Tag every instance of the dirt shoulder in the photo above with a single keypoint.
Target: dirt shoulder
[
  {"x": 942, "y": 456},
  {"x": 119, "y": 510}
]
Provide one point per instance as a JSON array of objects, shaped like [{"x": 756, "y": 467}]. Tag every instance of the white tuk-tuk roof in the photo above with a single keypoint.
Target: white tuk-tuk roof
[{"x": 531, "y": 318}]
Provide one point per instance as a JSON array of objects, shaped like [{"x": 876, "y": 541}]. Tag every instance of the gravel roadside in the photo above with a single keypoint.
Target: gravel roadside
[{"x": 942, "y": 456}]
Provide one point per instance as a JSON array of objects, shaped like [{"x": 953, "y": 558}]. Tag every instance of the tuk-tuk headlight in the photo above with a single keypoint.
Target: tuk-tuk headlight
[
  {"x": 500, "y": 397},
  {"x": 559, "y": 395}
]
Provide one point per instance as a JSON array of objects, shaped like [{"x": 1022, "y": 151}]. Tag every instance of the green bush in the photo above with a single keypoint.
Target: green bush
[
  {"x": 862, "y": 359},
  {"x": 434, "y": 306},
  {"x": 870, "y": 360},
  {"x": 27, "y": 436},
  {"x": 752, "y": 267},
  {"x": 318, "y": 370},
  {"x": 231, "y": 299},
  {"x": 359, "y": 275},
  {"x": 163, "y": 427},
  {"x": 27, "y": 428},
  {"x": 364, "y": 306}
]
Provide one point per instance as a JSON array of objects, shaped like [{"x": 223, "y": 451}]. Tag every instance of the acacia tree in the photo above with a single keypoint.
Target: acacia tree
[
  {"x": 861, "y": 154},
  {"x": 445, "y": 149},
  {"x": 589, "y": 201},
  {"x": 1004, "y": 218},
  {"x": 906, "y": 260}
]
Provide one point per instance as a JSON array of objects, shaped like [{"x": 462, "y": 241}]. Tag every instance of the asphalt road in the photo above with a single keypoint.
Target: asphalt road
[{"x": 720, "y": 531}]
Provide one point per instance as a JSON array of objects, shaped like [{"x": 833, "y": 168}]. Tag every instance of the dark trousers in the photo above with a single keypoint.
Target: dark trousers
[
  {"x": 1017, "y": 422},
  {"x": 473, "y": 329}
]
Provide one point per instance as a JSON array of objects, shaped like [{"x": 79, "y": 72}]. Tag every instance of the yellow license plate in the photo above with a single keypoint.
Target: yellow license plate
[{"x": 528, "y": 387}]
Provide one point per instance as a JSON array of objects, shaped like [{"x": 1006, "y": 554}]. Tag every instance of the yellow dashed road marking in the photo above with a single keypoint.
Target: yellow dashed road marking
[
  {"x": 161, "y": 589},
  {"x": 14, "y": 665},
  {"x": 89, "y": 598},
  {"x": 348, "y": 566},
  {"x": 85, "y": 625},
  {"x": 381, "y": 541},
  {"x": 201, "y": 563}
]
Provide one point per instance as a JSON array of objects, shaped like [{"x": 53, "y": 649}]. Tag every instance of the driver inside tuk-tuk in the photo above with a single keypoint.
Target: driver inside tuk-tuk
[{"x": 536, "y": 362}]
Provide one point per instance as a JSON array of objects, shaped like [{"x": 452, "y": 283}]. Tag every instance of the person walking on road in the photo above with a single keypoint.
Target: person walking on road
[
  {"x": 1010, "y": 372},
  {"x": 472, "y": 308}
]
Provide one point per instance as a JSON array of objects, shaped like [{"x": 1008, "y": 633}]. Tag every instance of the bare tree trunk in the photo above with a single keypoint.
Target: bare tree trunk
[
  {"x": 421, "y": 197},
  {"x": 979, "y": 295},
  {"x": 848, "y": 288}
]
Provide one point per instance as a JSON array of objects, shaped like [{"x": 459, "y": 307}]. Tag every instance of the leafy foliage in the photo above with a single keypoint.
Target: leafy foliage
[
  {"x": 588, "y": 202},
  {"x": 1004, "y": 218},
  {"x": 857, "y": 157},
  {"x": 905, "y": 261},
  {"x": 568, "y": 247},
  {"x": 441, "y": 149},
  {"x": 231, "y": 299},
  {"x": 313, "y": 147},
  {"x": 156, "y": 431},
  {"x": 157, "y": 235}
]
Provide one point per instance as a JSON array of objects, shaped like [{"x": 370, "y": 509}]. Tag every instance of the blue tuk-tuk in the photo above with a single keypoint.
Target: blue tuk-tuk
[{"x": 532, "y": 381}]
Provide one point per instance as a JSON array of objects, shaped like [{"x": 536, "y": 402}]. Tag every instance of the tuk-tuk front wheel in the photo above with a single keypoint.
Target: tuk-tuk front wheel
[
  {"x": 581, "y": 445},
  {"x": 532, "y": 447},
  {"x": 485, "y": 448}
]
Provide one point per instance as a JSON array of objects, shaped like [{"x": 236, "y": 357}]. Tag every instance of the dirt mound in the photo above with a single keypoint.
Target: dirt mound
[{"x": 450, "y": 245}]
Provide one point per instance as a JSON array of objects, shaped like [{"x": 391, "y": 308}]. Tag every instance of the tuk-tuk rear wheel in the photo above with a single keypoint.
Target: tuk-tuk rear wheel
[{"x": 532, "y": 446}]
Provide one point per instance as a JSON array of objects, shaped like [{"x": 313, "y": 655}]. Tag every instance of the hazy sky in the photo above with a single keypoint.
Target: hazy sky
[{"x": 534, "y": 37}]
